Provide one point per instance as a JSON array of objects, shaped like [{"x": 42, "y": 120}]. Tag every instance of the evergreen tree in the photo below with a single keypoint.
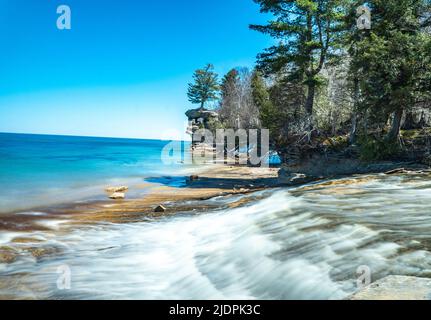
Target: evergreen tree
[
  {"x": 267, "y": 112},
  {"x": 228, "y": 108},
  {"x": 392, "y": 59},
  {"x": 308, "y": 32},
  {"x": 204, "y": 87}
]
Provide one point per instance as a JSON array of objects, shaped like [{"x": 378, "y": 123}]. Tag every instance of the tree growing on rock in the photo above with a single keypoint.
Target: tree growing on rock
[{"x": 205, "y": 86}]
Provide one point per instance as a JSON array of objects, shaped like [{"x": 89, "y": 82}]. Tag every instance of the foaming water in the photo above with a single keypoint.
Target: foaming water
[{"x": 299, "y": 243}]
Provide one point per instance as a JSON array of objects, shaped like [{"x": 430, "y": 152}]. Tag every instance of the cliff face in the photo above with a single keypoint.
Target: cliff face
[{"x": 200, "y": 118}]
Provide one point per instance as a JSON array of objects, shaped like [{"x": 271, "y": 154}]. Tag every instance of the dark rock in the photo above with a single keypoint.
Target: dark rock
[
  {"x": 396, "y": 171},
  {"x": 160, "y": 209}
]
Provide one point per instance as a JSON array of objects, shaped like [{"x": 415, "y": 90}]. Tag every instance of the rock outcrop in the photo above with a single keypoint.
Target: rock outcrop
[
  {"x": 117, "y": 196},
  {"x": 117, "y": 189},
  {"x": 117, "y": 193}
]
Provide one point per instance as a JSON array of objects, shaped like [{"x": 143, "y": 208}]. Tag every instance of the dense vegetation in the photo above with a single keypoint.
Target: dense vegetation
[{"x": 327, "y": 79}]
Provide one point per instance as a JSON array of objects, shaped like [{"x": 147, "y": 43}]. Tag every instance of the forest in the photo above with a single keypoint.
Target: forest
[{"x": 341, "y": 76}]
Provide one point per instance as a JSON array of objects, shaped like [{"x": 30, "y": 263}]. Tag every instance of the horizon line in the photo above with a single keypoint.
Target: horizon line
[{"x": 88, "y": 136}]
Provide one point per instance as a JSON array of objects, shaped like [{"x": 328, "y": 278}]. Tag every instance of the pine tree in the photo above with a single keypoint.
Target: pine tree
[
  {"x": 392, "y": 60},
  {"x": 267, "y": 111},
  {"x": 308, "y": 32},
  {"x": 204, "y": 87},
  {"x": 228, "y": 108}
]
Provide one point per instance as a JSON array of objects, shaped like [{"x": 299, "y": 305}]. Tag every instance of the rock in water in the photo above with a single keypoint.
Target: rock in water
[
  {"x": 193, "y": 178},
  {"x": 117, "y": 196},
  {"x": 396, "y": 288},
  {"x": 7, "y": 255},
  {"x": 117, "y": 189},
  {"x": 160, "y": 209}
]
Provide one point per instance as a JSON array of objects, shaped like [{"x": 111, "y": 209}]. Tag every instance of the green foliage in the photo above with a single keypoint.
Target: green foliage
[
  {"x": 204, "y": 87},
  {"x": 390, "y": 60},
  {"x": 267, "y": 112},
  {"x": 324, "y": 69},
  {"x": 214, "y": 124},
  {"x": 372, "y": 148},
  {"x": 337, "y": 143},
  {"x": 308, "y": 32}
]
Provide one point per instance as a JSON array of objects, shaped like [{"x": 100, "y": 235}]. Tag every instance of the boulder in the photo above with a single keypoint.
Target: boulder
[
  {"x": 117, "y": 189},
  {"x": 285, "y": 176},
  {"x": 396, "y": 288},
  {"x": 160, "y": 209},
  {"x": 193, "y": 178},
  {"x": 117, "y": 195}
]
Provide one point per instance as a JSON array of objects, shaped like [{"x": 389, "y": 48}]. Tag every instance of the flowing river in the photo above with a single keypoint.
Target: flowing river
[{"x": 291, "y": 243}]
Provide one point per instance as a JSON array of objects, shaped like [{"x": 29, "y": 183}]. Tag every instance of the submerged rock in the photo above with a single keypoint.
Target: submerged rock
[
  {"x": 40, "y": 252},
  {"x": 396, "y": 288},
  {"x": 160, "y": 209},
  {"x": 25, "y": 240},
  {"x": 117, "y": 196},
  {"x": 7, "y": 254}
]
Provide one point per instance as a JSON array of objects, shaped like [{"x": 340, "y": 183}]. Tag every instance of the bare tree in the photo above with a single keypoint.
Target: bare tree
[{"x": 237, "y": 109}]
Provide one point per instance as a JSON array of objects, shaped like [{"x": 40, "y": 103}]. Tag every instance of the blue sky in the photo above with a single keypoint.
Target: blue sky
[{"x": 123, "y": 68}]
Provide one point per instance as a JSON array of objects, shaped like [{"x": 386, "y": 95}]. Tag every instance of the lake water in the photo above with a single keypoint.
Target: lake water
[
  {"x": 43, "y": 169},
  {"x": 288, "y": 243}
]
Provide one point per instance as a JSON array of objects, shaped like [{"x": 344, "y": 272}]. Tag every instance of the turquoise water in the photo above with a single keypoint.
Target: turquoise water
[{"x": 43, "y": 169}]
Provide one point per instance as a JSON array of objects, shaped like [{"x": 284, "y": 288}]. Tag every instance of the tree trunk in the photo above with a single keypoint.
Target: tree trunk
[
  {"x": 409, "y": 122},
  {"x": 309, "y": 103},
  {"x": 396, "y": 125},
  {"x": 353, "y": 130}
]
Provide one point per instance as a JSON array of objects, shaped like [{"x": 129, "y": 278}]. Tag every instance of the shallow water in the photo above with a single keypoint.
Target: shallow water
[
  {"x": 296, "y": 243},
  {"x": 40, "y": 170}
]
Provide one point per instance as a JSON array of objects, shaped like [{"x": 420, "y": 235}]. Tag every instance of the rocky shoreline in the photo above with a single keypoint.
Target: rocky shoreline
[{"x": 208, "y": 183}]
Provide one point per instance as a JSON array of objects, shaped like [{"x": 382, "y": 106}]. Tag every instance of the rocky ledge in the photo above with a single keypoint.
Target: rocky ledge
[{"x": 396, "y": 288}]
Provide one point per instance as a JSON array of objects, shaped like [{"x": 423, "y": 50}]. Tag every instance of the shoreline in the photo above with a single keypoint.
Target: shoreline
[
  {"x": 23, "y": 232},
  {"x": 213, "y": 181},
  {"x": 32, "y": 237},
  {"x": 210, "y": 181}
]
